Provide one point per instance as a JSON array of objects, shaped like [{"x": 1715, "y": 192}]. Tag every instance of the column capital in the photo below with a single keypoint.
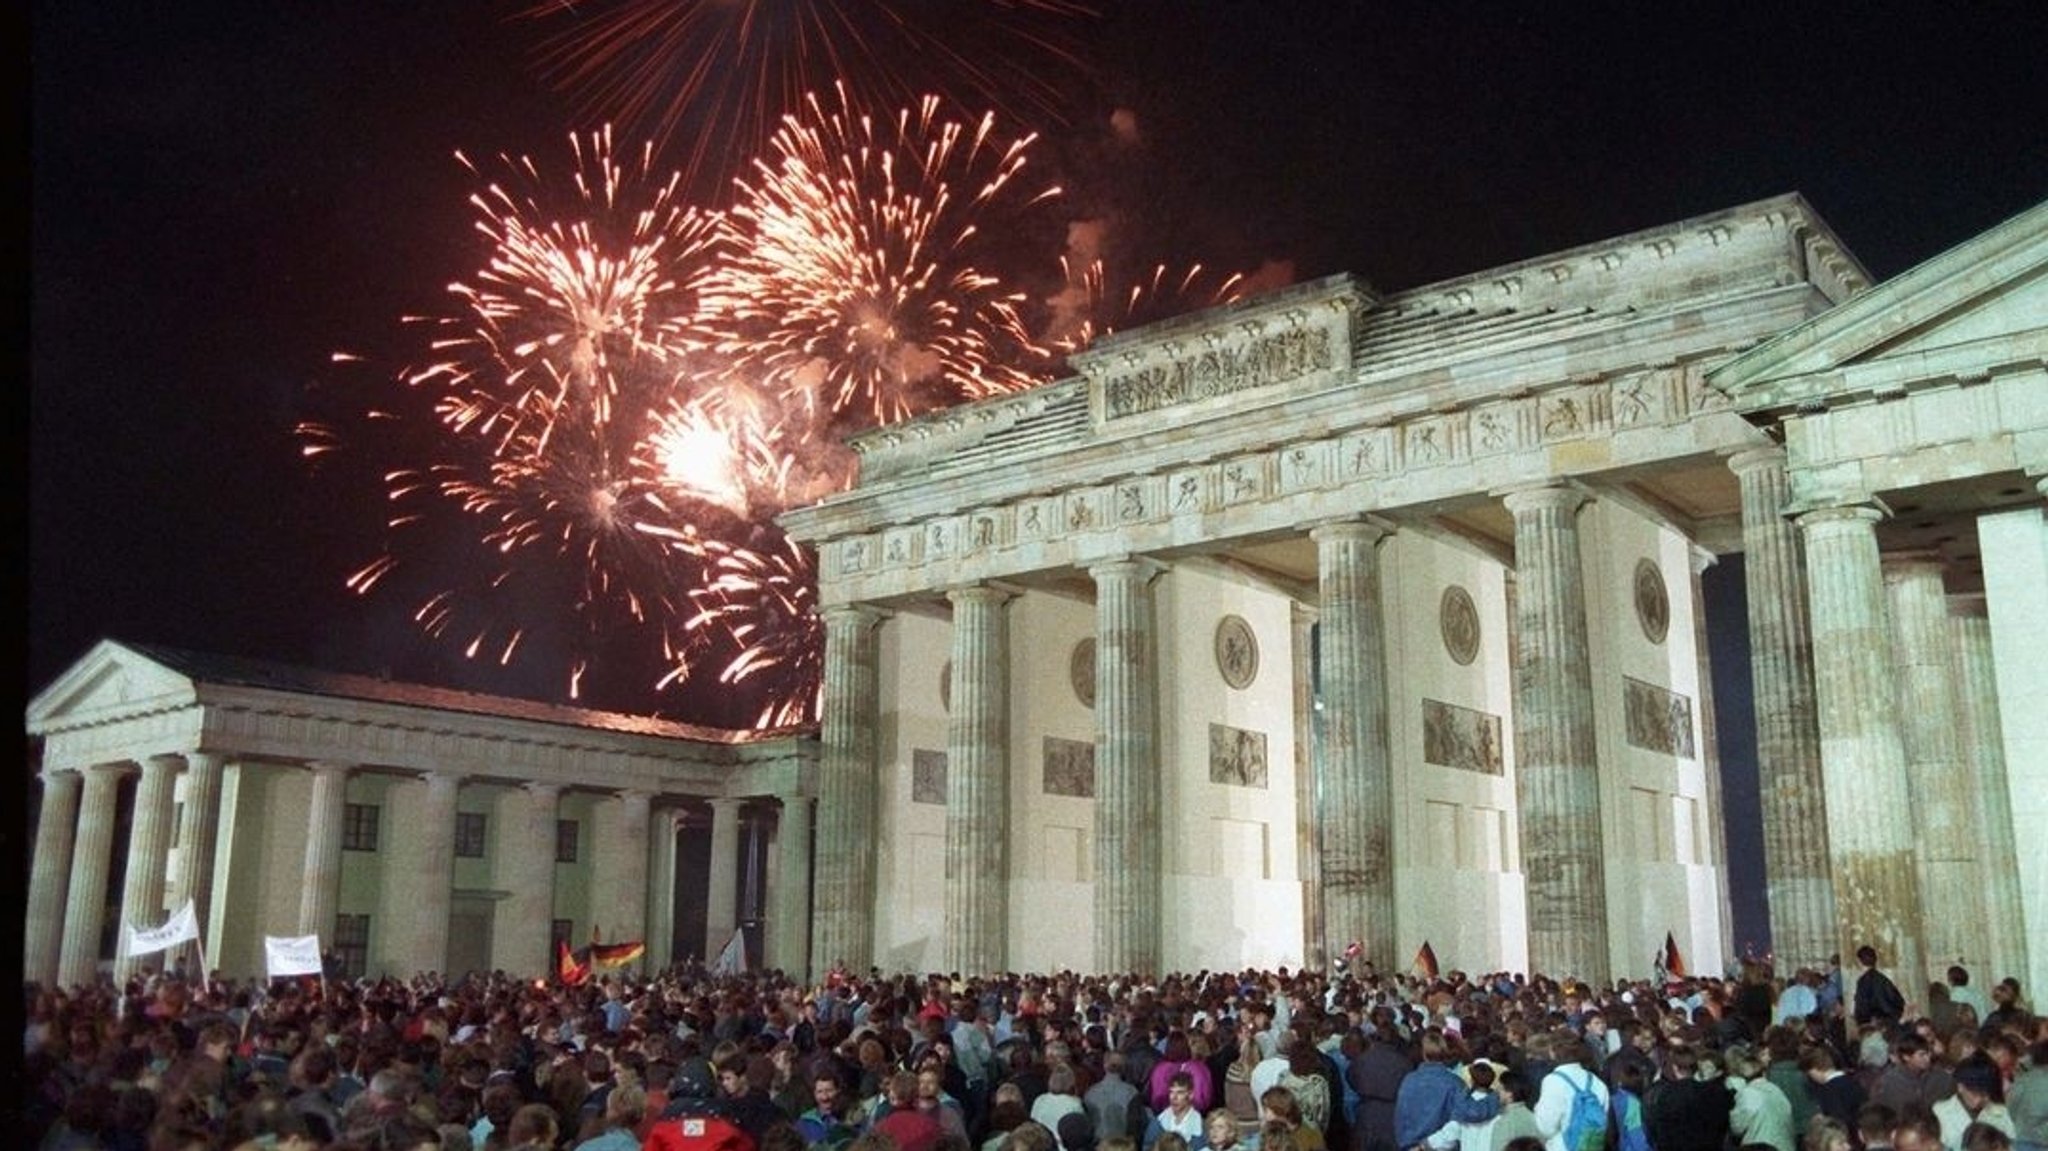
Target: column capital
[
  {"x": 1701, "y": 559},
  {"x": 440, "y": 777},
  {"x": 163, "y": 760},
  {"x": 1369, "y": 531},
  {"x": 1549, "y": 497},
  {"x": 1144, "y": 568},
  {"x": 986, "y": 593},
  {"x": 1758, "y": 459},
  {"x": 634, "y": 795},
  {"x": 1303, "y": 613},
  {"x": 544, "y": 789},
  {"x": 329, "y": 766},
  {"x": 853, "y": 615},
  {"x": 726, "y": 802},
  {"x": 1868, "y": 511}
]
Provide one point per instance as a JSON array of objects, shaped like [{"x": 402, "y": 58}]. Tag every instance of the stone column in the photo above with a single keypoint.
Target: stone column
[
  {"x": 322, "y": 894},
  {"x": 1308, "y": 847},
  {"x": 1797, "y": 879},
  {"x": 1357, "y": 808},
  {"x": 1127, "y": 831},
  {"x": 790, "y": 897},
  {"x": 436, "y": 887},
  {"x": 149, "y": 847},
  {"x": 1557, "y": 770},
  {"x": 1863, "y": 760},
  {"x": 1939, "y": 778},
  {"x": 198, "y": 833},
  {"x": 843, "y": 931},
  {"x": 977, "y": 784},
  {"x": 533, "y": 899},
  {"x": 85, "y": 910},
  {"x": 629, "y": 896},
  {"x": 1998, "y": 864},
  {"x": 49, "y": 876},
  {"x": 721, "y": 907},
  {"x": 661, "y": 891},
  {"x": 1715, "y": 818}
]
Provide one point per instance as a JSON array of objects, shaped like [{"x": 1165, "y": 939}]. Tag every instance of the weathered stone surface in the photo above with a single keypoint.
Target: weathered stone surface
[
  {"x": 1127, "y": 843},
  {"x": 978, "y": 780},
  {"x": 1355, "y": 815}
]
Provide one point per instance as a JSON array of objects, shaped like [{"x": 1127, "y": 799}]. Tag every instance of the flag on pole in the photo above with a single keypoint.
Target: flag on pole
[
  {"x": 181, "y": 926},
  {"x": 568, "y": 969},
  {"x": 291, "y": 955},
  {"x": 732, "y": 960},
  {"x": 614, "y": 954},
  {"x": 1425, "y": 961},
  {"x": 1674, "y": 963}
]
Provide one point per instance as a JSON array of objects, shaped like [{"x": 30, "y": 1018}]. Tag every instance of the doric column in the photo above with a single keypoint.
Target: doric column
[
  {"x": 977, "y": 784},
  {"x": 85, "y": 911},
  {"x": 661, "y": 890},
  {"x": 721, "y": 905},
  {"x": 533, "y": 899},
  {"x": 149, "y": 846},
  {"x": 1308, "y": 849},
  {"x": 1797, "y": 879},
  {"x": 1940, "y": 779},
  {"x": 790, "y": 897},
  {"x": 198, "y": 832},
  {"x": 1127, "y": 828},
  {"x": 49, "y": 876},
  {"x": 1357, "y": 808},
  {"x": 628, "y": 897},
  {"x": 1556, "y": 755},
  {"x": 843, "y": 931},
  {"x": 1863, "y": 760},
  {"x": 1998, "y": 864},
  {"x": 437, "y": 871},
  {"x": 322, "y": 893},
  {"x": 1716, "y": 829}
]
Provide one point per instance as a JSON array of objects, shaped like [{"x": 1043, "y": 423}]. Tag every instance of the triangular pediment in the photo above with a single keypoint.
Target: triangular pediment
[
  {"x": 1972, "y": 310},
  {"x": 109, "y": 681}
]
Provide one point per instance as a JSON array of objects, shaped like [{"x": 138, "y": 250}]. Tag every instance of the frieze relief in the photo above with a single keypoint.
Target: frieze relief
[
  {"x": 1436, "y": 439},
  {"x": 1265, "y": 359}
]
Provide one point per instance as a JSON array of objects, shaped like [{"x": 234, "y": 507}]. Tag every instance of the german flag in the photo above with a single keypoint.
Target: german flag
[
  {"x": 1425, "y": 961},
  {"x": 1674, "y": 963},
  {"x": 614, "y": 954},
  {"x": 567, "y": 969}
]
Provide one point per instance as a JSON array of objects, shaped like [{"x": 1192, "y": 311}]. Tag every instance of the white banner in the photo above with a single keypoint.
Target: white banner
[
  {"x": 732, "y": 960},
  {"x": 181, "y": 926},
  {"x": 286, "y": 955}
]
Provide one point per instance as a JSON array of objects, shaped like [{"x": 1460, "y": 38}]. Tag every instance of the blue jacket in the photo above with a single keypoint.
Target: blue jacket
[{"x": 1431, "y": 1096}]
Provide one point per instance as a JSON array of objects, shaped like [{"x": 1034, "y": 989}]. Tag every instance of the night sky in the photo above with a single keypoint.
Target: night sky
[{"x": 224, "y": 194}]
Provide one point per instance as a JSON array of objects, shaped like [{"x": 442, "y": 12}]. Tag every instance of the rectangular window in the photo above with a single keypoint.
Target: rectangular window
[
  {"x": 469, "y": 835},
  {"x": 565, "y": 841},
  {"x": 351, "y": 946},
  {"x": 359, "y": 827}
]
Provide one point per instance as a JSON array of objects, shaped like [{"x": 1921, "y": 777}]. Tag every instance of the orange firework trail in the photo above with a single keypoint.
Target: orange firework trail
[
  {"x": 766, "y": 602},
  {"x": 715, "y": 77},
  {"x": 1090, "y": 308},
  {"x": 861, "y": 270},
  {"x": 544, "y": 387}
]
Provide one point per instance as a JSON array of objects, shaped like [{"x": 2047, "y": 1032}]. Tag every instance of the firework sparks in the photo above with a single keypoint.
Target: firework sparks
[
  {"x": 860, "y": 276},
  {"x": 765, "y": 603},
  {"x": 1089, "y": 307},
  {"x": 543, "y": 387},
  {"x": 716, "y": 76}
]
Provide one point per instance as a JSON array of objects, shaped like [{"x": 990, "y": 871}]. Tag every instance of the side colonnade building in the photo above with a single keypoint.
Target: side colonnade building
[
  {"x": 411, "y": 828},
  {"x": 1327, "y": 617},
  {"x": 1321, "y": 618}
]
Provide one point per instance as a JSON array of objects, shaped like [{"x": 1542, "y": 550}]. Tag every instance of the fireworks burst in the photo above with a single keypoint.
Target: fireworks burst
[
  {"x": 765, "y": 602},
  {"x": 1089, "y": 308},
  {"x": 861, "y": 270},
  {"x": 716, "y": 76},
  {"x": 543, "y": 388}
]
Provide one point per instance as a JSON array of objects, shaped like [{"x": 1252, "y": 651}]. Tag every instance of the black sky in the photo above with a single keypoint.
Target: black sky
[{"x": 226, "y": 192}]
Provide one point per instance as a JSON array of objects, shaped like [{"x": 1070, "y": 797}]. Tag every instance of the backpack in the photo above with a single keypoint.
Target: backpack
[{"x": 1585, "y": 1129}]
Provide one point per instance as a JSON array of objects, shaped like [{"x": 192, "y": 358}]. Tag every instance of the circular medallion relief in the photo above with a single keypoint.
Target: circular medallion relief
[
  {"x": 1237, "y": 652},
  {"x": 946, "y": 686},
  {"x": 1653, "y": 603},
  {"x": 1081, "y": 672},
  {"x": 1458, "y": 619}
]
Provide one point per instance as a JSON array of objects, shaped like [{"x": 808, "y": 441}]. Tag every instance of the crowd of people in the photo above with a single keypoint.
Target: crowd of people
[{"x": 1346, "y": 1060}]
